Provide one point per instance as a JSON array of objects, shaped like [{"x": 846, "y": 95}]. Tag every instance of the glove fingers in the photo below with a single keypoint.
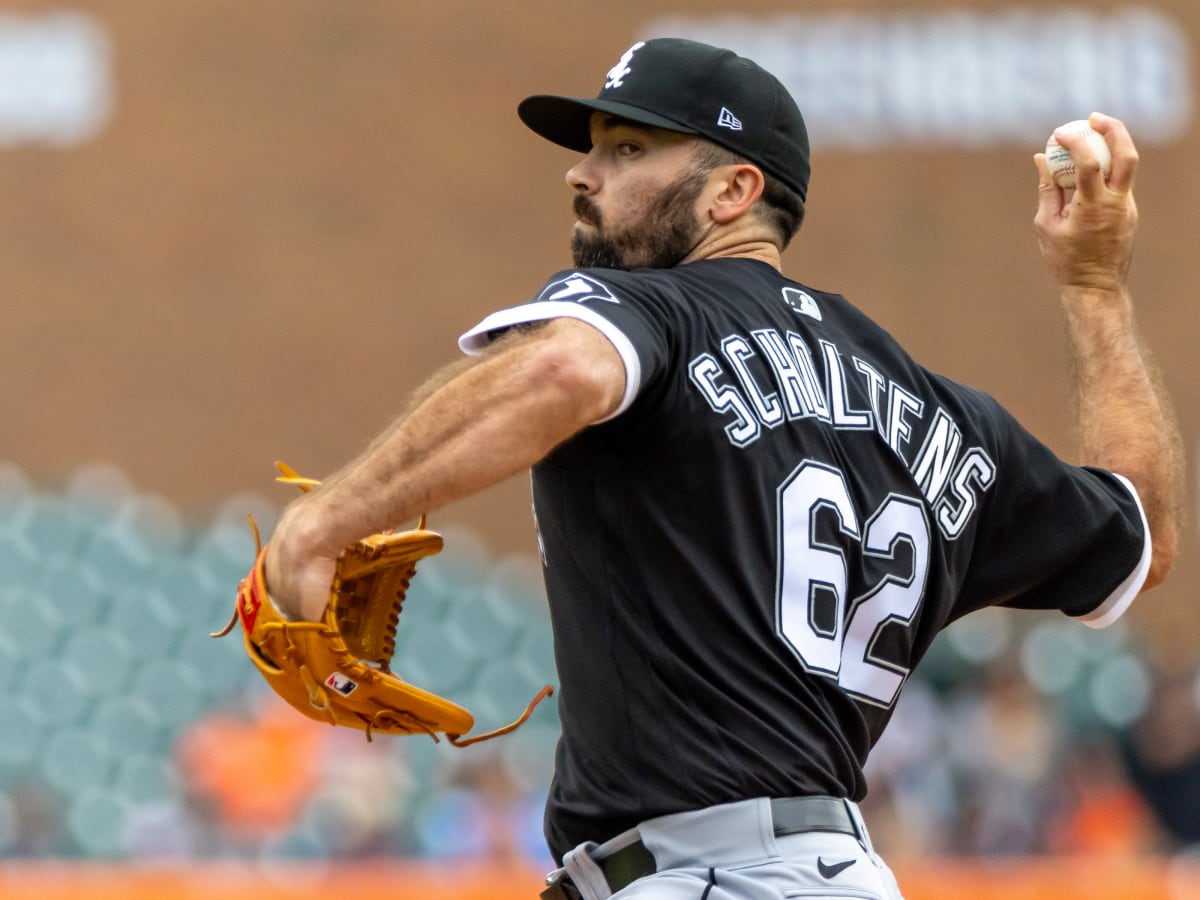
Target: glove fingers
[
  {"x": 288, "y": 475},
  {"x": 383, "y": 551},
  {"x": 437, "y": 712}
]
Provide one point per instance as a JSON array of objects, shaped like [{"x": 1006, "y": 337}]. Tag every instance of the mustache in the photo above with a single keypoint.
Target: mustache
[{"x": 586, "y": 210}]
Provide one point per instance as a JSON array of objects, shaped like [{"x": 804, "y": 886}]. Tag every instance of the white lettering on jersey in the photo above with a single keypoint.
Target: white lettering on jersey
[
  {"x": 900, "y": 404},
  {"x": 950, "y": 480},
  {"x": 876, "y": 390},
  {"x": 795, "y": 375},
  {"x": 935, "y": 462},
  {"x": 616, "y": 75},
  {"x": 976, "y": 467},
  {"x": 839, "y": 398},
  {"x": 767, "y": 407},
  {"x": 744, "y": 429}
]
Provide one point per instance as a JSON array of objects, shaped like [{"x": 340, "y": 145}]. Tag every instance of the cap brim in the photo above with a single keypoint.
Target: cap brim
[{"x": 566, "y": 121}]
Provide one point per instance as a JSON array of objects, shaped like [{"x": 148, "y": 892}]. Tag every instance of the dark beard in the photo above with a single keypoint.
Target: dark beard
[{"x": 666, "y": 232}]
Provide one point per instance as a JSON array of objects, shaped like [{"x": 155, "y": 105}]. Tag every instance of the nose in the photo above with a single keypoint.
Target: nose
[{"x": 582, "y": 177}]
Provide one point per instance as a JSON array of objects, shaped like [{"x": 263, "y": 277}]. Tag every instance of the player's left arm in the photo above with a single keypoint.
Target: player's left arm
[
  {"x": 1124, "y": 416},
  {"x": 473, "y": 425}
]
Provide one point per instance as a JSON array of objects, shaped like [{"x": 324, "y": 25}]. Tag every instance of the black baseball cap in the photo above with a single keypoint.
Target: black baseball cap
[{"x": 690, "y": 88}]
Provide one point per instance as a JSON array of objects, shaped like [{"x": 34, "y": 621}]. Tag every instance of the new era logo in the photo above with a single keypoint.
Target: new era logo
[{"x": 728, "y": 120}]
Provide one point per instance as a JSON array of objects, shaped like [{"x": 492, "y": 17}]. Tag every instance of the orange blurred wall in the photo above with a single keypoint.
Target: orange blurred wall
[{"x": 1044, "y": 879}]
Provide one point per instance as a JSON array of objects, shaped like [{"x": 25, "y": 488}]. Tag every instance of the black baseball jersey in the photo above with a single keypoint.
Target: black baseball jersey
[{"x": 747, "y": 560}]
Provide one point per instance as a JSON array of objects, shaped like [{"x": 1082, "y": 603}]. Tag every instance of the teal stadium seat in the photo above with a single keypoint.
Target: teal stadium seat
[
  {"x": 74, "y": 760},
  {"x": 128, "y": 724}
]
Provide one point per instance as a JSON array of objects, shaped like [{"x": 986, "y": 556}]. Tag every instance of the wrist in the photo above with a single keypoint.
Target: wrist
[{"x": 1092, "y": 301}]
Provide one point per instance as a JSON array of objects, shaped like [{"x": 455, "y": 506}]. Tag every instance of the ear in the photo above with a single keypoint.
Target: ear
[{"x": 736, "y": 189}]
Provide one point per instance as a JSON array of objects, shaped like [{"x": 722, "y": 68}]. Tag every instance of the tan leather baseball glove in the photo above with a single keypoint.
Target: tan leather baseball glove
[{"x": 338, "y": 670}]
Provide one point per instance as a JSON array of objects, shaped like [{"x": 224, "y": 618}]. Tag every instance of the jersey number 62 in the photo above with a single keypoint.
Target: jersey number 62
[{"x": 812, "y": 574}]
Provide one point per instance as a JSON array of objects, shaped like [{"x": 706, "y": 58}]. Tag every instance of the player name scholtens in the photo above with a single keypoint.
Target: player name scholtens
[{"x": 950, "y": 477}]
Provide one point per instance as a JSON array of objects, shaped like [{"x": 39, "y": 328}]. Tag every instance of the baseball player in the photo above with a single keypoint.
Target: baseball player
[{"x": 755, "y": 510}]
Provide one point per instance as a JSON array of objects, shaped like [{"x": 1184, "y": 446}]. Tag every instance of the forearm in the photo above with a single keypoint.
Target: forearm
[
  {"x": 1125, "y": 420},
  {"x": 470, "y": 427},
  {"x": 489, "y": 422}
]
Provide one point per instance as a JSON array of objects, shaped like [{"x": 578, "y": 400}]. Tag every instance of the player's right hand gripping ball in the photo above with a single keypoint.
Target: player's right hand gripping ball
[
  {"x": 1059, "y": 162},
  {"x": 338, "y": 670}
]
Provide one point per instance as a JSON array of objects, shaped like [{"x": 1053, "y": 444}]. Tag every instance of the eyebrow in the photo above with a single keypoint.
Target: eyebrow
[{"x": 611, "y": 122}]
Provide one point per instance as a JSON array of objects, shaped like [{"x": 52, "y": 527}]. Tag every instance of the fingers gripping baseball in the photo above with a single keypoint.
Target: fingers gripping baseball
[{"x": 1087, "y": 240}]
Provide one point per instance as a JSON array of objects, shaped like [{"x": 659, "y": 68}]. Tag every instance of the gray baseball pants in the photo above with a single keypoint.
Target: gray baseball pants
[{"x": 732, "y": 852}]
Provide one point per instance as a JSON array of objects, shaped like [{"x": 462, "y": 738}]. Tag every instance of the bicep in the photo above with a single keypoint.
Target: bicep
[{"x": 571, "y": 359}]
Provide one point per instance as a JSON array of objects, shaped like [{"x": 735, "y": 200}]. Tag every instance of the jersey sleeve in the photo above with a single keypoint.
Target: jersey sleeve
[
  {"x": 1057, "y": 536},
  {"x": 612, "y": 302},
  {"x": 1114, "y": 605}
]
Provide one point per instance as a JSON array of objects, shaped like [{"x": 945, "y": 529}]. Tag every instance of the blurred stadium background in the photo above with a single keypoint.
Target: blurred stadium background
[{"x": 242, "y": 230}]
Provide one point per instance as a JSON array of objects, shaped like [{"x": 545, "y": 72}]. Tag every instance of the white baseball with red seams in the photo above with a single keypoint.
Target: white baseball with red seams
[{"x": 1059, "y": 162}]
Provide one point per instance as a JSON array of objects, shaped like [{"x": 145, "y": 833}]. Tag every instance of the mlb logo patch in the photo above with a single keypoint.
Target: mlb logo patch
[
  {"x": 802, "y": 302},
  {"x": 340, "y": 683}
]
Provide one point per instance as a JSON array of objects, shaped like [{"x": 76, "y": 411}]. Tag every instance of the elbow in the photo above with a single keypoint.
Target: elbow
[{"x": 1162, "y": 557}]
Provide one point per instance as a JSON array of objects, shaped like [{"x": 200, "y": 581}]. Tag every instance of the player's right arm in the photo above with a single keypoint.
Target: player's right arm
[{"x": 1125, "y": 421}]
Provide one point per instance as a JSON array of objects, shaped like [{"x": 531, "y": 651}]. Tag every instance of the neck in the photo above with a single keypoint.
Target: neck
[
  {"x": 735, "y": 247},
  {"x": 743, "y": 238}
]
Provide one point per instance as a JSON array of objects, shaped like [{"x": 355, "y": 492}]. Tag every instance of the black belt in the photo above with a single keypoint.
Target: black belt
[{"x": 790, "y": 815}]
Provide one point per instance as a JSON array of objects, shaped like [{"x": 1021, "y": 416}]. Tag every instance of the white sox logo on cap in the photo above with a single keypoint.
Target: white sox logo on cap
[{"x": 616, "y": 75}]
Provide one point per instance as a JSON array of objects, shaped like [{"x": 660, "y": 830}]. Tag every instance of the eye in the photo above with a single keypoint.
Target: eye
[{"x": 627, "y": 148}]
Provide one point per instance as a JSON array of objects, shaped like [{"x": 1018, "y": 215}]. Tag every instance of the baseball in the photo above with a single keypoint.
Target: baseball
[{"x": 1058, "y": 160}]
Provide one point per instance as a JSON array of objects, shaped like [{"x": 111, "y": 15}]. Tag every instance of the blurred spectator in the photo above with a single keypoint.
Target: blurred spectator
[
  {"x": 912, "y": 804},
  {"x": 33, "y": 826},
  {"x": 484, "y": 814},
  {"x": 1007, "y": 745},
  {"x": 361, "y": 806},
  {"x": 1164, "y": 753},
  {"x": 163, "y": 832},
  {"x": 1100, "y": 812},
  {"x": 250, "y": 776}
]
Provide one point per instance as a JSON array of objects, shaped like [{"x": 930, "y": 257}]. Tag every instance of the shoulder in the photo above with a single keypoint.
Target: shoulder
[{"x": 724, "y": 277}]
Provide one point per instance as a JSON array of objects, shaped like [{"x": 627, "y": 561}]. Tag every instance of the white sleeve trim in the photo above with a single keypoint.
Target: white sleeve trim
[
  {"x": 1120, "y": 599},
  {"x": 475, "y": 340}
]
